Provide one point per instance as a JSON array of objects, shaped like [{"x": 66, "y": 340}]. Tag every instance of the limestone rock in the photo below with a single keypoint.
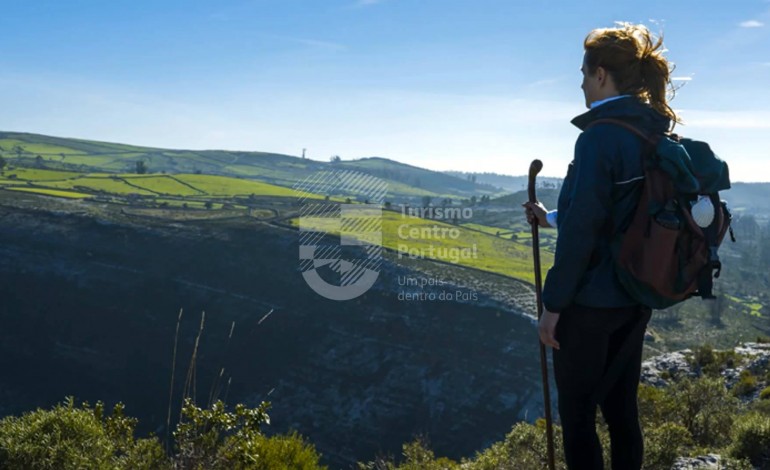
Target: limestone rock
[{"x": 700, "y": 462}]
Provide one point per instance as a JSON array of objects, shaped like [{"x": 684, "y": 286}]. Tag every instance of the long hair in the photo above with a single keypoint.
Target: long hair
[{"x": 634, "y": 59}]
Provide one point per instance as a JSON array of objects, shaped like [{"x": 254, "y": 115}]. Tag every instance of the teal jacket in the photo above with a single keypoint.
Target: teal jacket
[{"x": 597, "y": 201}]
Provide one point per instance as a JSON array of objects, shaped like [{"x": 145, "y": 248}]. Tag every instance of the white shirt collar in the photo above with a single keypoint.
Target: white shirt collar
[{"x": 607, "y": 100}]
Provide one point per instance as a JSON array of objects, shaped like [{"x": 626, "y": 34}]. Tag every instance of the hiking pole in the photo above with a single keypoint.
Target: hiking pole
[{"x": 534, "y": 169}]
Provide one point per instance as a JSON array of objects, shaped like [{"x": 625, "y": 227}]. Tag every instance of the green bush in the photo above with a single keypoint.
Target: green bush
[
  {"x": 417, "y": 456},
  {"x": 765, "y": 394},
  {"x": 746, "y": 384},
  {"x": 69, "y": 437},
  {"x": 663, "y": 444},
  {"x": 760, "y": 406},
  {"x": 215, "y": 439},
  {"x": 273, "y": 453},
  {"x": 703, "y": 356},
  {"x": 524, "y": 448},
  {"x": 751, "y": 440},
  {"x": 711, "y": 362},
  {"x": 705, "y": 408},
  {"x": 655, "y": 405}
]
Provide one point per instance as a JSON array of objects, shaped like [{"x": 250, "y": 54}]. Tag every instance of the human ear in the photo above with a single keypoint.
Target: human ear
[{"x": 601, "y": 75}]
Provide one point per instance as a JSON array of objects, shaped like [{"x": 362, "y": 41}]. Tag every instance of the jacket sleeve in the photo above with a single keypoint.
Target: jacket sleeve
[{"x": 582, "y": 221}]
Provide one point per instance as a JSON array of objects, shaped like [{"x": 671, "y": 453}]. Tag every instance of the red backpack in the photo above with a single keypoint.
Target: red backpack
[{"x": 664, "y": 257}]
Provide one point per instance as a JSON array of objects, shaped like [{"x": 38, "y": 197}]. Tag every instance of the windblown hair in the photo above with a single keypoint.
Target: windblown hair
[{"x": 634, "y": 59}]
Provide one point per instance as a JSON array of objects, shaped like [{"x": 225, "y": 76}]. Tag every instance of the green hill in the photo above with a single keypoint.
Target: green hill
[{"x": 405, "y": 182}]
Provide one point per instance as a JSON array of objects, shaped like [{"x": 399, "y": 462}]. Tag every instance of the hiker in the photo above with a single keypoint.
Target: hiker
[{"x": 588, "y": 315}]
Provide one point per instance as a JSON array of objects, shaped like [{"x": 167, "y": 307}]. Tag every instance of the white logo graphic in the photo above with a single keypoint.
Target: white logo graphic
[{"x": 340, "y": 245}]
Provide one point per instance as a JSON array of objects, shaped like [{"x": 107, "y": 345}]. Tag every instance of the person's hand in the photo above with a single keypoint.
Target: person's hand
[
  {"x": 536, "y": 211},
  {"x": 547, "y": 328}
]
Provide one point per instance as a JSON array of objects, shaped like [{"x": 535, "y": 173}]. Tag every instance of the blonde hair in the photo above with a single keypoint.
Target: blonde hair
[{"x": 633, "y": 57}]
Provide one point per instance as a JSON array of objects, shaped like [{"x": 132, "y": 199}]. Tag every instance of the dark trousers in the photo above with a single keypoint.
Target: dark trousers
[{"x": 589, "y": 338}]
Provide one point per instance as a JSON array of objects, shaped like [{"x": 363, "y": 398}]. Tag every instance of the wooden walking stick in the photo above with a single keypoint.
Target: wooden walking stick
[{"x": 534, "y": 169}]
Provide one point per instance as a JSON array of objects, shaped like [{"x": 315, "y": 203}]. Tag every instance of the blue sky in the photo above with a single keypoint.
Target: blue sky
[{"x": 474, "y": 85}]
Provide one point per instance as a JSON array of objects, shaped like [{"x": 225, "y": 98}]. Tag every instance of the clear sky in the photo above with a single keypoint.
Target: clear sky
[{"x": 473, "y": 85}]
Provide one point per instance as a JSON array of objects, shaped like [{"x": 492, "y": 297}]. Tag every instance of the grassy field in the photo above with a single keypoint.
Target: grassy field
[
  {"x": 52, "y": 192},
  {"x": 753, "y": 307},
  {"x": 182, "y": 185},
  {"x": 441, "y": 241}
]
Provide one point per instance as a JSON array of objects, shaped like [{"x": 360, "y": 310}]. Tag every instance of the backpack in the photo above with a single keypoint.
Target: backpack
[{"x": 662, "y": 256}]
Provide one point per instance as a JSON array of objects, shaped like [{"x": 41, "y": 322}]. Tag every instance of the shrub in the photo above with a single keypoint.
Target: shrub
[
  {"x": 746, "y": 384},
  {"x": 417, "y": 456},
  {"x": 761, "y": 407},
  {"x": 524, "y": 448},
  {"x": 765, "y": 394},
  {"x": 663, "y": 444},
  {"x": 705, "y": 408},
  {"x": 655, "y": 405},
  {"x": 273, "y": 453},
  {"x": 69, "y": 437},
  {"x": 703, "y": 356},
  {"x": 751, "y": 440}
]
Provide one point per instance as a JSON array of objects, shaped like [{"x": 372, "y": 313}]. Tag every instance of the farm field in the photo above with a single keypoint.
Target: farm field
[
  {"x": 441, "y": 241},
  {"x": 182, "y": 185}
]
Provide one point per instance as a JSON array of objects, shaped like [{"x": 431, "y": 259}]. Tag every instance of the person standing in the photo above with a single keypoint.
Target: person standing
[{"x": 588, "y": 315}]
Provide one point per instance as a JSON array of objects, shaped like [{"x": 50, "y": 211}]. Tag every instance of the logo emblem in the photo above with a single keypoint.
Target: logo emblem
[{"x": 340, "y": 232}]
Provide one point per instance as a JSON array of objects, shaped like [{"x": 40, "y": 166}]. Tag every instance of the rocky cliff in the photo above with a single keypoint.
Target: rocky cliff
[{"x": 90, "y": 306}]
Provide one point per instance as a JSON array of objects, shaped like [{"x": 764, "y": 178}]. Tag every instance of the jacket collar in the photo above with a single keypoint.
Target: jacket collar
[{"x": 630, "y": 109}]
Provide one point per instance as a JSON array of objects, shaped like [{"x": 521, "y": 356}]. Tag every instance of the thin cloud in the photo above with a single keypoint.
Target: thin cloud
[
  {"x": 312, "y": 43},
  {"x": 544, "y": 82},
  {"x": 752, "y": 24},
  {"x": 681, "y": 79},
  {"x": 332, "y": 46},
  {"x": 366, "y": 3},
  {"x": 726, "y": 119}
]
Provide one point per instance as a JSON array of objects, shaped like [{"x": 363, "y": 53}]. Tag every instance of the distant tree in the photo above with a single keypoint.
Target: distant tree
[
  {"x": 387, "y": 204},
  {"x": 2, "y": 162},
  {"x": 303, "y": 153},
  {"x": 335, "y": 159},
  {"x": 208, "y": 205},
  {"x": 141, "y": 167},
  {"x": 39, "y": 161},
  {"x": 18, "y": 150},
  {"x": 426, "y": 200},
  {"x": 473, "y": 200}
]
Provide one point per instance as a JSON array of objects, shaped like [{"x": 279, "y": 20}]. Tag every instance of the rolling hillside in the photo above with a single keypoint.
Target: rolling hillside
[{"x": 405, "y": 182}]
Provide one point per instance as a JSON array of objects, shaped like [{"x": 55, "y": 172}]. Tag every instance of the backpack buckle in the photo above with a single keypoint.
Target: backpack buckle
[{"x": 714, "y": 261}]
